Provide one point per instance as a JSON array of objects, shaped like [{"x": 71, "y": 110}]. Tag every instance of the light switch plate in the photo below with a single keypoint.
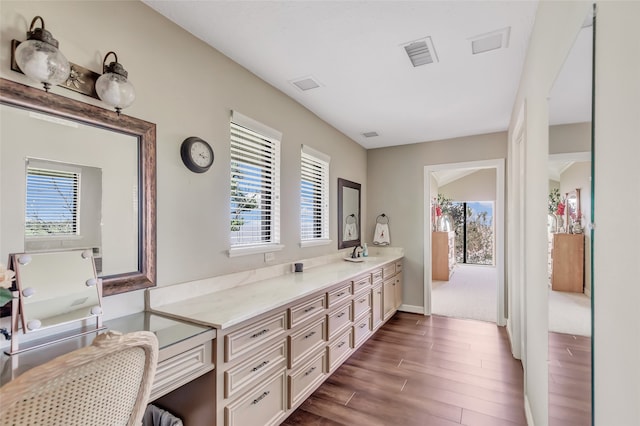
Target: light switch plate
[{"x": 269, "y": 257}]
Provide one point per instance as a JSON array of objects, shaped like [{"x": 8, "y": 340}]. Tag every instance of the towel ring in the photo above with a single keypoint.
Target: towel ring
[
  {"x": 382, "y": 218},
  {"x": 350, "y": 219}
]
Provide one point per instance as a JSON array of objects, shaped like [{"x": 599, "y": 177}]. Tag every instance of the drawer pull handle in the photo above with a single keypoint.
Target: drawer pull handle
[
  {"x": 261, "y": 397},
  {"x": 379, "y": 292},
  {"x": 362, "y": 300},
  {"x": 259, "y": 366},
  {"x": 309, "y": 309},
  {"x": 363, "y": 325},
  {"x": 341, "y": 314},
  {"x": 341, "y": 344},
  {"x": 259, "y": 333},
  {"x": 311, "y": 370},
  {"x": 310, "y": 334},
  {"x": 340, "y": 294}
]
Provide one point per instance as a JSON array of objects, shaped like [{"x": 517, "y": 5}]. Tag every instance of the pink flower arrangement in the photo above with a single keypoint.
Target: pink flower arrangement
[
  {"x": 438, "y": 211},
  {"x": 560, "y": 210}
]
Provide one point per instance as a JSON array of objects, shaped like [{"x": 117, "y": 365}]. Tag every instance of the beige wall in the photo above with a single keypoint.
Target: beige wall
[
  {"x": 617, "y": 183},
  {"x": 478, "y": 186},
  {"x": 395, "y": 179},
  {"x": 570, "y": 138},
  {"x": 189, "y": 89}
]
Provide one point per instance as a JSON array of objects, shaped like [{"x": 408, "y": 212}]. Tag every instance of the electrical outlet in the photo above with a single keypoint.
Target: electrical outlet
[{"x": 269, "y": 257}]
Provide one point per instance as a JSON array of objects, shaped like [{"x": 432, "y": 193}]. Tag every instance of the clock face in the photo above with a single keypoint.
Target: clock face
[{"x": 196, "y": 154}]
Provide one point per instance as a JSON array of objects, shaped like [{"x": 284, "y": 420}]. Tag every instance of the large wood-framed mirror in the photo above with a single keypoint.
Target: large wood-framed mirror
[
  {"x": 349, "y": 225},
  {"x": 139, "y": 270}
]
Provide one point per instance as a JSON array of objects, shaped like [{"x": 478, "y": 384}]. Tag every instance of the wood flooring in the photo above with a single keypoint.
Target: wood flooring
[
  {"x": 418, "y": 370},
  {"x": 569, "y": 380}
]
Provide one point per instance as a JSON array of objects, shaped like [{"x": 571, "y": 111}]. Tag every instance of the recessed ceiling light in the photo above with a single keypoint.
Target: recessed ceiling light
[
  {"x": 305, "y": 83},
  {"x": 370, "y": 134},
  {"x": 421, "y": 52},
  {"x": 490, "y": 41}
]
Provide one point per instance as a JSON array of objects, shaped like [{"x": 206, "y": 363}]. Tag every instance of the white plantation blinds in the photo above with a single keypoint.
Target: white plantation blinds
[
  {"x": 52, "y": 202},
  {"x": 255, "y": 187},
  {"x": 314, "y": 195}
]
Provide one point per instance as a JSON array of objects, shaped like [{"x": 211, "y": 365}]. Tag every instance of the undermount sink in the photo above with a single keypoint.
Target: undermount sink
[{"x": 354, "y": 259}]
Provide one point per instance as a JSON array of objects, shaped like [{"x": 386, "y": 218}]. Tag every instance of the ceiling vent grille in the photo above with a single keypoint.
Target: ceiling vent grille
[
  {"x": 490, "y": 41},
  {"x": 421, "y": 52},
  {"x": 306, "y": 83},
  {"x": 370, "y": 134}
]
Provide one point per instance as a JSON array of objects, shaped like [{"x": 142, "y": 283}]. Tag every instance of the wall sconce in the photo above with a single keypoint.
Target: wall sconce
[
  {"x": 40, "y": 59},
  {"x": 113, "y": 87}
]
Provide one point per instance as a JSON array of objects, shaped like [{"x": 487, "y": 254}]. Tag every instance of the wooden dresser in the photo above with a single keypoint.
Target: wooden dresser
[
  {"x": 443, "y": 255},
  {"x": 567, "y": 273}
]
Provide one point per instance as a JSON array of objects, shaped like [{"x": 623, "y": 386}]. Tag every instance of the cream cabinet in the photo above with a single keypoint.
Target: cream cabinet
[
  {"x": 269, "y": 364},
  {"x": 443, "y": 255},
  {"x": 391, "y": 288}
]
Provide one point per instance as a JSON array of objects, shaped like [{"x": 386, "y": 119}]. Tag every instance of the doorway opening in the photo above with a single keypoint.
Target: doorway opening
[{"x": 459, "y": 292}]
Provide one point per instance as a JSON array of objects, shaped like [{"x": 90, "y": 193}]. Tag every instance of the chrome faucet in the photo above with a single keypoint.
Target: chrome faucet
[{"x": 355, "y": 255}]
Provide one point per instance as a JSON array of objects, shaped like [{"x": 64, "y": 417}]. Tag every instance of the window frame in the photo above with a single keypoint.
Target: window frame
[
  {"x": 311, "y": 158},
  {"x": 270, "y": 138}
]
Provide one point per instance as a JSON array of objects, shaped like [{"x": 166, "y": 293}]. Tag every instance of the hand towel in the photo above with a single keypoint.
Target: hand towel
[
  {"x": 381, "y": 234},
  {"x": 350, "y": 232}
]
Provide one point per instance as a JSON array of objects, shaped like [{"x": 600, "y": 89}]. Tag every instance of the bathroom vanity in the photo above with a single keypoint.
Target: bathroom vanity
[{"x": 280, "y": 335}]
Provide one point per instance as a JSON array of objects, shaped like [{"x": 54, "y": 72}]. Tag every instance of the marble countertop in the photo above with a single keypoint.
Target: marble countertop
[{"x": 228, "y": 307}]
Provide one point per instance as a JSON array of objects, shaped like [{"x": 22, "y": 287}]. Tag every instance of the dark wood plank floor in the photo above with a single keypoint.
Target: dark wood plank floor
[
  {"x": 569, "y": 380},
  {"x": 419, "y": 370}
]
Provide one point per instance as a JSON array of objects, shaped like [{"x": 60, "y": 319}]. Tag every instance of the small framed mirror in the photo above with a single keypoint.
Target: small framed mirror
[{"x": 349, "y": 228}]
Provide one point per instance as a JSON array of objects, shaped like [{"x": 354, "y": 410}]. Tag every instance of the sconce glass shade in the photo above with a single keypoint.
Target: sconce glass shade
[
  {"x": 113, "y": 87},
  {"x": 39, "y": 58}
]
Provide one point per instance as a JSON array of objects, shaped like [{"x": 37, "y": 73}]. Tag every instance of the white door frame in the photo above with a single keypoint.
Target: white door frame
[{"x": 499, "y": 221}]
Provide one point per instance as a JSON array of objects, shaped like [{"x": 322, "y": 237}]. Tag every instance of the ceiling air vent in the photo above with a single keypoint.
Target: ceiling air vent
[
  {"x": 370, "y": 134},
  {"x": 490, "y": 41},
  {"x": 305, "y": 83},
  {"x": 421, "y": 52}
]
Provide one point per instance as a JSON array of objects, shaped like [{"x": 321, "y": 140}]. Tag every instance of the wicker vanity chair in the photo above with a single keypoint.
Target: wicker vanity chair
[{"x": 106, "y": 383}]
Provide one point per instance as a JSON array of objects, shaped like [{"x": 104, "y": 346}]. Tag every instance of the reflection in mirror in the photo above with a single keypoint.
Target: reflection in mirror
[
  {"x": 47, "y": 298},
  {"x": 46, "y": 127},
  {"x": 569, "y": 302},
  {"x": 348, "y": 213}
]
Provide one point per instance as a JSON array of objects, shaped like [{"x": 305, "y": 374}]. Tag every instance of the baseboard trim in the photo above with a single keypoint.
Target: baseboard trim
[
  {"x": 527, "y": 412},
  {"x": 413, "y": 309}
]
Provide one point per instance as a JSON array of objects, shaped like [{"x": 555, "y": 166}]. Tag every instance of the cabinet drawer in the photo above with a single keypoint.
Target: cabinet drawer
[
  {"x": 361, "y": 284},
  {"x": 388, "y": 270},
  {"x": 180, "y": 369},
  {"x": 340, "y": 349},
  {"x": 361, "y": 329},
  {"x": 338, "y": 295},
  {"x": 376, "y": 275},
  {"x": 263, "y": 406},
  {"x": 303, "y": 380},
  {"x": 255, "y": 368},
  {"x": 247, "y": 338},
  {"x": 307, "y": 309},
  {"x": 361, "y": 303},
  {"x": 307, "y": 340},
  {"x": 338, "y": 319}
]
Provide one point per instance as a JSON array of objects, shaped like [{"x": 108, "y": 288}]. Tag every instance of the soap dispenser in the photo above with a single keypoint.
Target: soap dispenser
[{"x": 365, "y": 251}]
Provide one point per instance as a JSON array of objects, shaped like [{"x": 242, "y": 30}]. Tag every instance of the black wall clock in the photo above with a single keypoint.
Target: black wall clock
[{"x": 196, "y": 154}]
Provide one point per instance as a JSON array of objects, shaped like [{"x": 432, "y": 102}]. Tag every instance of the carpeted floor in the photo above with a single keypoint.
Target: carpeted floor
[
  {"x": 569, "y": 313},
  {"x": 470, "y": 293}
]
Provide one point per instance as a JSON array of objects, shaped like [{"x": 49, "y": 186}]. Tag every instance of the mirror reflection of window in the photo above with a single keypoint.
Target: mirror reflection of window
[{"x": 63, "y": 207}]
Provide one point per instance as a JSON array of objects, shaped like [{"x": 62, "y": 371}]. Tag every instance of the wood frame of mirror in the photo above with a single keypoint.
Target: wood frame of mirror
[
  {"x": 33, "y": 99},
  {"x": 343, "y": 183}
]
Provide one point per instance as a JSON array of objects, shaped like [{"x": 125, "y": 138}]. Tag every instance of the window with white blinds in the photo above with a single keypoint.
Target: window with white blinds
[
  {"x": 255, "y": 186},
  {"x": 52, "y": 206},
  {"x": 314, "y": 196}
]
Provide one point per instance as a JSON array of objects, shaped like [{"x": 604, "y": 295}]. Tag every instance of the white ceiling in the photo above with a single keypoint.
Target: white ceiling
[{"x": 355, "y": 50}]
